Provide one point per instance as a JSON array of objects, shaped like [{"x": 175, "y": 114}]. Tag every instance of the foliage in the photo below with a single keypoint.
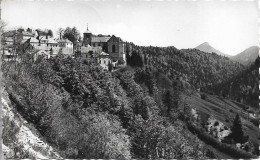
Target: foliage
[
  {"x": 87, "y": 112},
  {"x": 199, "y": 68},
  {"x": 225, "y": 148},
  {"x": 71, "y": 34},
  {"x": 104, "y": 138},
  {"x": 237, "y": 132},
  {"x": 210, "y": 154},
  {"x": 156, "y": 138},
  {"x": 242, "y": 87},
  {"x": 203, "y": 96}
]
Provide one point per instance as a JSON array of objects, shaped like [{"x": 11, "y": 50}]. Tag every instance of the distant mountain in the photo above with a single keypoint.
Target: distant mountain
[
  {"x": 247, "y": 56},
  {"x": 206, "y": 47}
]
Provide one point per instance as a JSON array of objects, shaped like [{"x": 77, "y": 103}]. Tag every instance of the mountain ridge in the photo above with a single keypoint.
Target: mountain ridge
[
  {"x": 247, "y": 56},
  {"x": 206, "y": 47}
]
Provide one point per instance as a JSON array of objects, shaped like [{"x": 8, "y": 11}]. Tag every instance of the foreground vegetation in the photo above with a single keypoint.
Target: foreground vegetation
[
  {"x": 86, "y": 112},
  {"x": 140, "y": 111}
]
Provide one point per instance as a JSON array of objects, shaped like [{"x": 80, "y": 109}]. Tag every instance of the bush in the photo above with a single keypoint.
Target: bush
[
  {"x": 210, "y": 154},
  {"x": 203, "y": 96},
  {"x": 121, "y": 61},
  {"x": 227, "y": 120},
  {"x": 216, "y": 123}
]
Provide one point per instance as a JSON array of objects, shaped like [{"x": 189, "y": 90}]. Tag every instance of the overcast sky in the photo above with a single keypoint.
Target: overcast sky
[{"x": 229, "y": 26}]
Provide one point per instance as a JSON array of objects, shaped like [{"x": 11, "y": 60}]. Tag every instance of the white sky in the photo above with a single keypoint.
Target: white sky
[{"x": 229, "y": 26}]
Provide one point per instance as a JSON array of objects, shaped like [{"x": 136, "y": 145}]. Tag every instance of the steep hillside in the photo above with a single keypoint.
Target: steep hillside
[
  {"x": 20, "y": 139},
  {"x": 247, "y": 56},
  {"x": 157, "y": 69},
  {"x": 242, "y": 87},
  {"x": 200, "y": 69},
  {"x": 215, "y": 115},
  {"x": 206, "y": 47},
  {"x": 139, "y": 111},
  {"x": 224, "y": 110},
  {"x": 86, "y": 112}
]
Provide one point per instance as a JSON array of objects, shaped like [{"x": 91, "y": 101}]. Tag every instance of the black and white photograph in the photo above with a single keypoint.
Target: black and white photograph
[{"x": 129, "y": 79}]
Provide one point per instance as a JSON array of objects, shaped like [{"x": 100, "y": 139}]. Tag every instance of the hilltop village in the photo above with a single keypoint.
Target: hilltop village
[{"x": 104, "y": 49}]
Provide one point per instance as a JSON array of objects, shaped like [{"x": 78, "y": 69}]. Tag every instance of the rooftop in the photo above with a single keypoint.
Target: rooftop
[
  {"x": 25, "y": 33},
  {"x": 64, "y": 41},
  {"x": 100, "y": 38}
]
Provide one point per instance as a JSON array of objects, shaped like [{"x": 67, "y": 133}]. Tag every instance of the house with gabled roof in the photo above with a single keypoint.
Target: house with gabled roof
[{"x": 65, "y": 43}]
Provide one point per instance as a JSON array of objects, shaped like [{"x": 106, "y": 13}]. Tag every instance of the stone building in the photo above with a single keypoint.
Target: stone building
[
  {"x": 100, "y": 41},
  {"x": 116, "y": 48},
  {"x": 112, "y": 45},
  {"x": 87, "y": 37}
]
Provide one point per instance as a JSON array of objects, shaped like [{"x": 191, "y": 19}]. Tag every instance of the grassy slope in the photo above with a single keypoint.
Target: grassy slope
[{"x": 220, "y": 108}]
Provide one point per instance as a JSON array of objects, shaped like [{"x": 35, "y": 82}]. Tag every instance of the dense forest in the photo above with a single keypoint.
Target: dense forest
[
  {"x": 200, "y": 69},
  {"x": 208, "y": 72},
  {"x": 86, "y": 112},
  {"x": 138, "y": 111},
  {"x": 242, "y": 87}
]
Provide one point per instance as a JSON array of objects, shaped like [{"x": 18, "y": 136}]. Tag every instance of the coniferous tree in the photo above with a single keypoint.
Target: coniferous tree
[
  {"x": 237, "y": 132},
  {"x": 168, "y": 101}
]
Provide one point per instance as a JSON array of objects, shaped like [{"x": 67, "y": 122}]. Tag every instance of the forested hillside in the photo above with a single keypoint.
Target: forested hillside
[
  {"x": 200, "y": 69},
  {"x": 247, "y": 56},
  {"x": 140, "y": 111},
  {"x": 85, "y": 112},
  {"x": 242, "y": 87}
]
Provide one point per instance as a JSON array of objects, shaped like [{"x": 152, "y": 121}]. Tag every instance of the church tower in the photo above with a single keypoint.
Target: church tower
[{"x": 87, "y": 36}]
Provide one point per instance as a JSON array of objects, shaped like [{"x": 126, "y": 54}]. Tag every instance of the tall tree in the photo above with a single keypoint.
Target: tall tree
[
  {"x": 237, "y": 131},
  {"x": 168, "y": 101},
  {"x": 29, "y": 30},
  {"x": 50, "y": 33},
  {"x": 71, "y": 34}
]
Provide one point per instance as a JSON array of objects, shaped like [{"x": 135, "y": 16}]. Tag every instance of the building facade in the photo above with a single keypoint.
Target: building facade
[
  {"x": 112, "y": 45},
  {"x": 116, "y": 48}
]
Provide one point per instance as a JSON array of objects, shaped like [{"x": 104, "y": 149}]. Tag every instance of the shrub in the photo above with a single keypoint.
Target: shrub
[
  {"x": 216, "y": 123},
  {"x": 210, "y": 154},
  {"x": 227, "y": 120},
  {"x": 121, "y": 61},
  {"x": 104, "y": 138}
]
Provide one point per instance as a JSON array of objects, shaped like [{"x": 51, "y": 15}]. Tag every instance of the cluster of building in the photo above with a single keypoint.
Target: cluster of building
[
  {"x": 108, "y": 49},
  {"x": 13, "y": 40}
]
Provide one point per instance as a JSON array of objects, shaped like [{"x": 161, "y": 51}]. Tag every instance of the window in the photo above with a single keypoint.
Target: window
[{"x": 113, "y": 48}]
